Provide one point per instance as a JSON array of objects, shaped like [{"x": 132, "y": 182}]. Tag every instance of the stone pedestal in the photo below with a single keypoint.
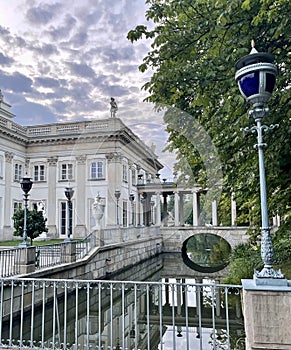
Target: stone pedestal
[
  {"x": 69, "y": 252},
  {"x": 96, "y": 237},
  {"x": 267, "y": 315},
  {"x": 27, "y": 260}
]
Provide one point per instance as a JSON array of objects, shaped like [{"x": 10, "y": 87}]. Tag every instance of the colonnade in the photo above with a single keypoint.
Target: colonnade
[{"x": 152, "y": 208}]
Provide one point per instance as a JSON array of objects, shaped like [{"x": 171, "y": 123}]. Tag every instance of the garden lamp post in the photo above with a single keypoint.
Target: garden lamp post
[
  {"x": 131, "y": 199},
  {"x": 69, "y": 192},
  {"x": 117, "y": 196},
  {"x": 256, "y": 76},
  {"x": 26, "y": 185}
]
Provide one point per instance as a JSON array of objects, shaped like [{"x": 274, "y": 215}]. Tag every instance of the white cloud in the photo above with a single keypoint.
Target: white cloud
[{"x": 64, "y": 60}]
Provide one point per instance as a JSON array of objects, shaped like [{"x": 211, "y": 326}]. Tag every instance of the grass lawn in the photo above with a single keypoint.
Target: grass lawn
[{"x": 16, "y": 242}]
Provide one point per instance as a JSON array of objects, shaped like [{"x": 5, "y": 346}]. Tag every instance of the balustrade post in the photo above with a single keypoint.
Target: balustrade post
[
  {"x": 27, "y": 260},
  {"x": 69, "y": 252},
  {"x": 267, "y": 315}
]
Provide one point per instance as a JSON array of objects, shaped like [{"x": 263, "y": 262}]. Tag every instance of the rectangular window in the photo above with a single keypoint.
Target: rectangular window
[
  {"x": 39, "y": 173},
  {"x": 133, "y": 177},
  {"x": 124, "y": 214},
  {"x": 63, "y": 218},
  {"x": 96, "y": 170},
  {"x": 17, "y": 206},
  {"x": 17, "y": 172},
  {"x": 124, "y": 172},
  {"x": 67, "y": 171}
]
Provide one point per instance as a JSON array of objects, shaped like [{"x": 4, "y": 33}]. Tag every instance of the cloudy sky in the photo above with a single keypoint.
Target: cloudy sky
[{"x": 62, "y": 60}]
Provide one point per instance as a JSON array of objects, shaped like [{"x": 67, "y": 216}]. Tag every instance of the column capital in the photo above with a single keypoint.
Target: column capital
[
  {"x": 9, "y": 156},
  {"x": 52, "y": 161},
  {"x": 81, "y": 159},
  {"x": 114, "y": 157}
]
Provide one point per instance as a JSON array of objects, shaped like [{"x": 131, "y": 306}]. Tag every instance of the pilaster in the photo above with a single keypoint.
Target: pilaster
[
  {"x": 7, "y": 229},
  {"x": 52, "y": 205},
  {"x": 80, "y": 199},
  {"x": 114, "y": 173}
]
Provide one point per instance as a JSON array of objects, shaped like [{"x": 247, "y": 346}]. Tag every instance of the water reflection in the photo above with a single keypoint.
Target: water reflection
[
  {"x": 206, "y": 252},
  {"x": 166, "y": 313}
]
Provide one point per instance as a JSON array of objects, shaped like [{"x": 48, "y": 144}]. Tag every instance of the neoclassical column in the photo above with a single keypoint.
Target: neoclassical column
[
  {"x": 80, "y": 197},
  {"x": 181, "y": 208},
  {"x": 52, "y": 203},
  {"x": 214, "y": 213},
  {"x": 233, "y": 210},
  {"x": 158, "y": 206},
  {"x": 7, "y": 228},
  {"x": 196, "y": 209},
  {"x": 114, "y": 174},
  {"x": 176, "y": 207},
  {"x": 139, "y": 210},
  {"x": 165, "y": 210}
]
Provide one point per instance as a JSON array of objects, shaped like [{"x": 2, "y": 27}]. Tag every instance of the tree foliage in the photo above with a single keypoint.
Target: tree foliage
[
  {"x": 35, "y": 223},
  {"x": 195, "y": 45}
]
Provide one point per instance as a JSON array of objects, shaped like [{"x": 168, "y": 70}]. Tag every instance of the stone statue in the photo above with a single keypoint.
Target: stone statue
[
  {"x": 113, "y": 108},
  {"x": 41, "y": 207},
  {"x": 98, "y": 211}
]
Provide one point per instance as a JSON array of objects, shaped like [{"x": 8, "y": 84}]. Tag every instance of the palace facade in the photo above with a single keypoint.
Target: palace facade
[{"x": 94, "y": 158}]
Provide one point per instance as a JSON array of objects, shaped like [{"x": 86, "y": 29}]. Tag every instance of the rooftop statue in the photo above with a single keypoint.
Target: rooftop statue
[{"x": 113, "y": 108}]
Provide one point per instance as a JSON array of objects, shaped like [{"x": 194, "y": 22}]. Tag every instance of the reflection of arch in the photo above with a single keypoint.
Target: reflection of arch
[{"x": 212, "y": 241}]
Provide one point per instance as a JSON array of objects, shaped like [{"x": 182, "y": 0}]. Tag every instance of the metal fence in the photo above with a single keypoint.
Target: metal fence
[
  {"x": 55, "y": 254},
  {"x": 75, "y": 314},
  {"x": 9, "y": 262},
  {"x": 45, "y": 255}
]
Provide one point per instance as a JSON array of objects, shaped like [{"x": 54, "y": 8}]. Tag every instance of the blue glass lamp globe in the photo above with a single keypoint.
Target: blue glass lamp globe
[{"x": 256, "y": 77}]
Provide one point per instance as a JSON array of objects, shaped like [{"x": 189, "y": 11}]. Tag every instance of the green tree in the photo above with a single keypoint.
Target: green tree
[
  {"x": 35, "y": 223},
  {"x": 195, "y": 45}
]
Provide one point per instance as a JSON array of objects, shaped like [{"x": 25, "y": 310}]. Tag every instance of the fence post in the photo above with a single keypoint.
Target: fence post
[
  {"x": 27, "y": 260},
  {"x": 267, "y": 316}
]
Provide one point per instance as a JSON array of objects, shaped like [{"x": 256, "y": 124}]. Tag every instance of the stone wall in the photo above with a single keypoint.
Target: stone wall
[
  {"x": 173, "y": 237},
  {"x": 103, "y": 261}
]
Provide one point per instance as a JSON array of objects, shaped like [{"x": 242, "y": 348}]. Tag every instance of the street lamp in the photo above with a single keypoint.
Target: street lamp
[
  {"x": 26, "y": 185},
  {"x": 69, "y": 192},
  {"x": 256, "y": 76},
  {"x": 117, "y": 196},
  {"x": 131, "y": 199}
]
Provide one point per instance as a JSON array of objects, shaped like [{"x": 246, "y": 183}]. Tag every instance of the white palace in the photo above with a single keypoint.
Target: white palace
[{"x": 95, "y": 158}]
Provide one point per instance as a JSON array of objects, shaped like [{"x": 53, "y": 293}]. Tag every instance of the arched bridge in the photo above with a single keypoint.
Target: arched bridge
[{"x": 173, "y": 237}]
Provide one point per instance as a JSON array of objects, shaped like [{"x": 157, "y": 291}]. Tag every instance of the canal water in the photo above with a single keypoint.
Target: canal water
[{"x": 171, "y": 268}]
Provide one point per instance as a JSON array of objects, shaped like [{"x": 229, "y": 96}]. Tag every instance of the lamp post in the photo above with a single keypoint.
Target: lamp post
[
  {"x": 117, "y": 196},
  {"x": 69, "y": 192},
  {"x": 256, "y": 76},
  {"x": 131, "y": 199},
  {"x": 26, "y": 185}
]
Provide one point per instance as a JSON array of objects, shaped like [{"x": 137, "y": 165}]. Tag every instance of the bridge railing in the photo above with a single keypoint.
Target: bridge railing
[
  {"x": 9, "y": 262},
  {"x": 81, "y": 314},
  {"x": 55, "y": 254},
  {"x": 126, "y": 234}
]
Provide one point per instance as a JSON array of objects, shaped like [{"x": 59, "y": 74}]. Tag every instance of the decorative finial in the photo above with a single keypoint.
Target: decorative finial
[{"x": 253, "y": 50}]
